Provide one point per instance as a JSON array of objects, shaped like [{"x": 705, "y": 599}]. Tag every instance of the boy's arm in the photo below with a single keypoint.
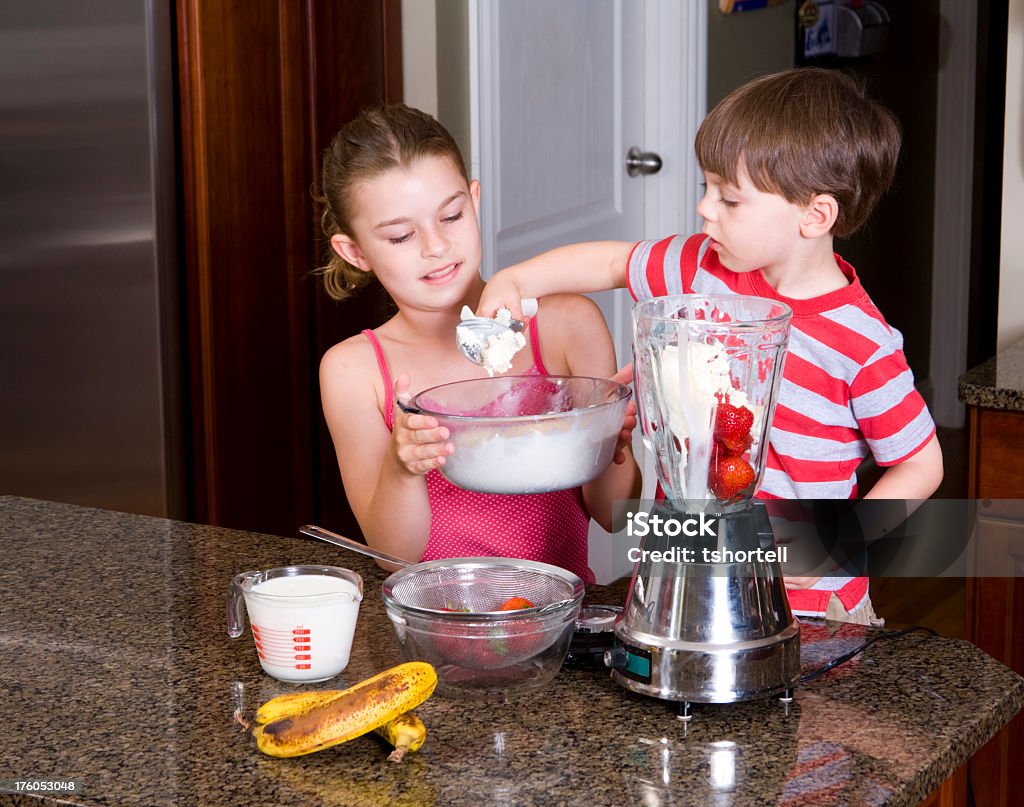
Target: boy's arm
[
  {"x": 914, "y": 479},
  {"x": 580, "y": 268},
  {"x": 904, "y": 487}
]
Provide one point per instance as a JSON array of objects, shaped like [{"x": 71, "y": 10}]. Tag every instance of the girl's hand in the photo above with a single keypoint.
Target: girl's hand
[
  {"x": 417, "y": 441},
  {"x": 626, "y": 435},
  {"x": 625, "y": 376}
]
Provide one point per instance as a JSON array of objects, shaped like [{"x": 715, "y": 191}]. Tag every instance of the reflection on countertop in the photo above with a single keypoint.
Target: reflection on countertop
[
  {"x": 997, "y": 383},
  {"x": 124, "y": 679}
]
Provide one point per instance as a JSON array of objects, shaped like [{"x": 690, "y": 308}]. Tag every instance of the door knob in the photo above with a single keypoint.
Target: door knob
[{"x": 642, "y": 162}]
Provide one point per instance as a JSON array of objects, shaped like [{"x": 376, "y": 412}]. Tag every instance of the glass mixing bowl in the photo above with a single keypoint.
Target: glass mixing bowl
[
  {"x": 446, "y": 612},
  {"x": 707, "y": 370},
  {"x": 528, "y": 433}
]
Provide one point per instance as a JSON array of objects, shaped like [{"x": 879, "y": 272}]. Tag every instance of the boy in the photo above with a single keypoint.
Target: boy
[{"x": 790, "y": 160}]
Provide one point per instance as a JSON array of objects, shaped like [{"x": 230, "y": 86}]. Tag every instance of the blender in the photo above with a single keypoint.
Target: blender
[{"x": 707, "y": 618}]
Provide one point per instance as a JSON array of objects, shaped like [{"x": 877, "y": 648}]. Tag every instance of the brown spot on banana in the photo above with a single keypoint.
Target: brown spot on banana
[{"x": 295, "y": 703}]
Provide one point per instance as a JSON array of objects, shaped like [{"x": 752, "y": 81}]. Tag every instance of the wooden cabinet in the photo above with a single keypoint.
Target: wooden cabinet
[
  {"x": 995, "y": 605},
  {"x": 952, "y": 792},
  {"x": 263, "y": 86}
]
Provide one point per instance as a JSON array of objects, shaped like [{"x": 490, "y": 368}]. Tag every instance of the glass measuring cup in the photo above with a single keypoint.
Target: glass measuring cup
[{"x": 302, "y": 618}]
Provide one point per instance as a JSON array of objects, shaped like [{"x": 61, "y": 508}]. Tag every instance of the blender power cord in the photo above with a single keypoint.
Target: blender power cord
[{"x": 858, "y": 650}]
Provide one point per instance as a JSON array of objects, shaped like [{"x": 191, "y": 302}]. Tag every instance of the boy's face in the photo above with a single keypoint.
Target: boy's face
[
  {"x": 416, "y": 229},
  {"x": 750, "y": 229}
]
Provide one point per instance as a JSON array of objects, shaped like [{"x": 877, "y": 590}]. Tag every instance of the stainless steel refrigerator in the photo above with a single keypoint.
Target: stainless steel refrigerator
[{"x": 90, "y": 408}]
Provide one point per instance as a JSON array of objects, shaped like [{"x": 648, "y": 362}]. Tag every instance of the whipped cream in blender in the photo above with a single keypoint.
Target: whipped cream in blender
[
  {"x": 692, "y": 384},
  {"x": 707, "y": 369}
]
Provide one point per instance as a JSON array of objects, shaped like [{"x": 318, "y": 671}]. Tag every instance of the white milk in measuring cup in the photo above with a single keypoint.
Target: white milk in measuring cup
[{"x": 302, "y": 618}]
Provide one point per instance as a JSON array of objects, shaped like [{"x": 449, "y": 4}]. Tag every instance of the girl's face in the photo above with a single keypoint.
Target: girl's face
[
  {"x": 750, "y": 229},
  {"x": 416, "y": 228}
]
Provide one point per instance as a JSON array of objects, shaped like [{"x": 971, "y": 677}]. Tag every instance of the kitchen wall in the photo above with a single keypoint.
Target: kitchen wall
[
  {"x": 1011, "y": 264},
  {"x": 743, "y": 46},
  {"x": 419, "y": 54}
]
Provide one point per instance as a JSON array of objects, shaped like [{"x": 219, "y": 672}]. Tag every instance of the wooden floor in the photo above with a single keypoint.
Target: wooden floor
[{"x": 937, "y": 603}]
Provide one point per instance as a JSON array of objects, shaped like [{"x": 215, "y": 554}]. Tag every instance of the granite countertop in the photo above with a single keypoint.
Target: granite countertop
[
  {"x": 119, "y": 674},
  {"x": 997, "y": 383}
]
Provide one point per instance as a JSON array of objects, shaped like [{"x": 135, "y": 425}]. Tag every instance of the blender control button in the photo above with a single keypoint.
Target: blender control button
[{"x": 616, "y": 658}]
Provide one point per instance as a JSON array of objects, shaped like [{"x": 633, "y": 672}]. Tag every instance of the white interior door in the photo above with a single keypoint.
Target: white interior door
[
  {"x": 560, "y": 91},
  {"x": 560, "y": 102}
]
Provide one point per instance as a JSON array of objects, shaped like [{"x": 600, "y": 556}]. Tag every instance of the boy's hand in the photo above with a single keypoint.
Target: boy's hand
[
  {"x": 417, "y": 441},
  {"x": 795, "y": 583},
  {"x": 501, "y": 291},
  {"x": 625, "y": 376}
]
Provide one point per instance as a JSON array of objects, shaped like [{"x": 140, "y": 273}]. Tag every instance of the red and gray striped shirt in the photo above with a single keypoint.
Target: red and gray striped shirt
[{"x": 846, "y": 389}]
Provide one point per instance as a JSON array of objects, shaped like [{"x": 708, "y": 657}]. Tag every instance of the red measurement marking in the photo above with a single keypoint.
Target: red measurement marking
[
  {"x": 280, "y": 639},
  {"x": 303, "y": 658},
  {"x": 303, "y": 666},
  {"x": 301, "y": 631}
]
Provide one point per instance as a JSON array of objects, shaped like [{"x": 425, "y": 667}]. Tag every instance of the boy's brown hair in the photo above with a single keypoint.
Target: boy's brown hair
[
  {"x": 377, "y": 140},
  {"x": 802, "y": 132}
]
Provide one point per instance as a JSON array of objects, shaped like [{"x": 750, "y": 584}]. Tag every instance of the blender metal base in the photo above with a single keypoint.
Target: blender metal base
[
  {"x": 697, "y": 673},
  {"x": 703, "y": 631}
]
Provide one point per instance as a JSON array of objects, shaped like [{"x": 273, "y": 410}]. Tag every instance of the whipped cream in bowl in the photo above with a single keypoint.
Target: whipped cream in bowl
[{"x": 527, "y": 433}]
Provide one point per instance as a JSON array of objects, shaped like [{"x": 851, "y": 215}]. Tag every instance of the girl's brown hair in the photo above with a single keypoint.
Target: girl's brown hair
[
  {"x": 802, "y": 132},
  {"x": 378, "y": 140}
]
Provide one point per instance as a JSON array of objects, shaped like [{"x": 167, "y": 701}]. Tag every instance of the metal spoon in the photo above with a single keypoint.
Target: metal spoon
[
  {"x": 472, "y": 332},
  {"x": 321, "y": 534}
]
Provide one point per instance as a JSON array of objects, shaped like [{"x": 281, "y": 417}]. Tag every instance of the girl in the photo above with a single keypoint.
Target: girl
[{"x": 398, "y": 207}]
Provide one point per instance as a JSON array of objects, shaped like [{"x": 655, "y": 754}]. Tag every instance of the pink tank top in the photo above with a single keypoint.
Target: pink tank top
[{"x": 547, "y": 527}]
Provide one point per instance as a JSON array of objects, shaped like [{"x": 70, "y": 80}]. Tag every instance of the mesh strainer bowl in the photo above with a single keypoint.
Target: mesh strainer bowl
[{"x": 445, "y": 612}]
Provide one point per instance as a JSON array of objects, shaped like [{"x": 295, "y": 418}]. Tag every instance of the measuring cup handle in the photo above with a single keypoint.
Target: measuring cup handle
[{"x": 236, "y": 606}]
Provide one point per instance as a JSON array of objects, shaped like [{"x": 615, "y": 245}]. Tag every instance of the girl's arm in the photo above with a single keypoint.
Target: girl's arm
[
  {"x": 575, "y": 268},
  {"x": 577, "y": 338},
  {"x": 382, "y": 472}
]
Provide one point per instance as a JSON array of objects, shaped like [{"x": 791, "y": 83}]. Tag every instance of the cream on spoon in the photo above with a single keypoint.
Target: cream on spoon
[{"x": 492, "y": 343}]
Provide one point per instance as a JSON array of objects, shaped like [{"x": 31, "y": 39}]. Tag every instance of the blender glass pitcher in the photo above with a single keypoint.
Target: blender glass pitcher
[{"x": 707, "y": 370}]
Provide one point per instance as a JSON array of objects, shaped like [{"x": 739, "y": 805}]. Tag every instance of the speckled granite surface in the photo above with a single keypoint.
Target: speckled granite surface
[
  {"x": 997, "y": 383},
  {"x": 118, "y": 672}
]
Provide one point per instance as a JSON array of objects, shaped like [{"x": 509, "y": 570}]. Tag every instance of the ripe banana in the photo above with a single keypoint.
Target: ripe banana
[
  {"x": 295, "y": 703},
  {"x": 352, "y": 713},
  {"x": 406, "y": 733}
]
